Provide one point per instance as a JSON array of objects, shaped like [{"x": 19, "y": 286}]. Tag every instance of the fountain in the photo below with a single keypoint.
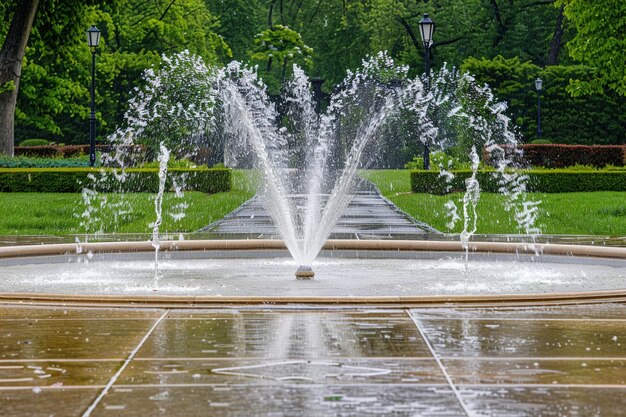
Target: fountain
[
  {"x": 308, "y": 180},
  {"x": 309, "y": 165},
  {"x": 229, "y": 327}
]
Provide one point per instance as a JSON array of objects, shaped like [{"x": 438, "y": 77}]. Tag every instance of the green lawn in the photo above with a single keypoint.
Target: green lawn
[
  {"x": 60, "y": 213},
  {"x": 597, "y": 213}
]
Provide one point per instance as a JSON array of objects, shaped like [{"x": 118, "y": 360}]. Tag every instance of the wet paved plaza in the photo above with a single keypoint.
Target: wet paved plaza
[{"x": 305, "y": 361}]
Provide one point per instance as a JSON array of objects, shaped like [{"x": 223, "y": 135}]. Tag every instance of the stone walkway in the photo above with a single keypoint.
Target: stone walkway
[
  {"x": 368, "y": 216},
  {"x": 247, "y": 361}
]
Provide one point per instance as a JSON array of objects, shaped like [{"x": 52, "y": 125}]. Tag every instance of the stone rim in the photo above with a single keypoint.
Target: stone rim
[{"x": 153, "y": 301}]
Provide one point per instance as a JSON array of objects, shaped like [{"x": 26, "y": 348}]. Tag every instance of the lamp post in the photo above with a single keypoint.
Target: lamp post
[
  {"x": 93, "y": 39},
  {"x": 538, "y": 86},
  {"x": 427, "y": 29}
]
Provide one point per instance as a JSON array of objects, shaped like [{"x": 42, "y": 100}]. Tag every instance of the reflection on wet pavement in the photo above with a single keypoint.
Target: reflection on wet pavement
[
  {"x": 549, "y": 361},
  {"x": 286, "y": 335},
  {"x": 277, "y": 400}
]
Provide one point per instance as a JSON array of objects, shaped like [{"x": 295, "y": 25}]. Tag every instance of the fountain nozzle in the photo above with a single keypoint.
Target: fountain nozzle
[{"x": 304, "y": 272}]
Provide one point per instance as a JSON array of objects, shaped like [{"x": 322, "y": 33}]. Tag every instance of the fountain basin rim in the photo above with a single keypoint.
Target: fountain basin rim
[
  {"x": 194, "y": 302},
  {"x": 201, "y": 301},
  {"x": 347, "y": 244}
]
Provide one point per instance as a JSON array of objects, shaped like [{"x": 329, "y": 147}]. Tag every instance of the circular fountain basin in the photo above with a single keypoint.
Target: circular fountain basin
[{"x": 345, "y": 272}]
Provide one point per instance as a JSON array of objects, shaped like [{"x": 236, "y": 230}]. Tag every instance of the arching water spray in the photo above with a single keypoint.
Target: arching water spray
[{"x": 164, "y": 157}]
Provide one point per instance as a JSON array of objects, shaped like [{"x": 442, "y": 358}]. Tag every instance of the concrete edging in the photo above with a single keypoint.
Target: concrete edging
[{"x": 332, "y": 244}]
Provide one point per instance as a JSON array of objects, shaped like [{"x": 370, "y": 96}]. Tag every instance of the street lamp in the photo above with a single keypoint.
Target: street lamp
[
  {"x": 427, "y": 29},
  {"x": 538, "y": 86},
  {"x": 93, "y": 39}
]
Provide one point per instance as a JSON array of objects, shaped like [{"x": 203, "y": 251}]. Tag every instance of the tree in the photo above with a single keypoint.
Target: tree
[
  {"x": 137, "y": 33},
  {"x": 11, "y": 56},
  {"x": 280, "y": 44},
  {"x": 239, "y": 21},
  {"x": 600, "y": 42},
  {"x": 53, "y": 101}
]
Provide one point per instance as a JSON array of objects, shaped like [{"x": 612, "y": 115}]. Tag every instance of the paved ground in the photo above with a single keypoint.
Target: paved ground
[
  {"x": 559, "y": 361},
  {"x": 368, "y": 216}
]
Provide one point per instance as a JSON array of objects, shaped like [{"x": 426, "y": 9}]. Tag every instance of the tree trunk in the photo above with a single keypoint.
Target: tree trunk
[
  {"x": 557, "y": 39},
  {"x": 11, "y": 56}
]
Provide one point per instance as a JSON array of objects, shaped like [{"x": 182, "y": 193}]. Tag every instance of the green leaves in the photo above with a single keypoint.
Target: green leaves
[
  {"x": 600, "y": 42},
  {"x": 7, "y": 86},
  {"x": 54, "y": 91},
  {"x": 280, "y": 45}
]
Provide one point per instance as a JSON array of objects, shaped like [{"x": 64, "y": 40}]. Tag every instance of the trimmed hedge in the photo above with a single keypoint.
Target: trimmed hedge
[
  {"x": 34, "y": 142},
  {"x": 68, "y": 180},
  {"x": 553, "y": 181},
  {"x": 29, "y": 162},
  {"x": 561, "y": 156},
  {"x": 597, "y": 119},
  {"x": 66, "y": 151}
]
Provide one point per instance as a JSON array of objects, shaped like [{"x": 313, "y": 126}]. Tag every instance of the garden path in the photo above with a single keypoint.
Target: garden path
[{"x": 368, "y": 216}]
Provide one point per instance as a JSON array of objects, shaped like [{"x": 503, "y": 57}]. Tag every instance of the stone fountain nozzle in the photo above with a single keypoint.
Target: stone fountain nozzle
[{"x": 304, "y": 272}]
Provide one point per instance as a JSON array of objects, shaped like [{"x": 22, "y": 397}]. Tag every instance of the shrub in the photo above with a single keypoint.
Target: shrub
[
  {"x": 172, "y": 163},
  {"x": 34, "y": 142},
  {"x": 561, "y": 156},
  {"x": 541, "y": 142},
  {"x": 28, "y": 162},
  {"x": 76, "y": 150},
  {"x": 72, "y": 151},
  {"x": 586, "y": 120},
  {"x": 437, "y": 160},
  {"x": 67, "y": 180},
  {"x": 47, "y": 151},
  {"x": 546, "y": 181}
]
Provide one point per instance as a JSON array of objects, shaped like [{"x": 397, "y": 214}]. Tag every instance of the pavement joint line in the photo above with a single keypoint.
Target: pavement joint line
[
  {"x": 62, "y": 360},
  {"x": 256, "y": 358},
  {"x": 430, "y": 318},
  {"x": 456, "y": 392},
  {"x": 49, "y": 387},
  {"x": 82, "y": 319},
  {"x": 386, "y": 384},
  {"x": 113, "y": 379},
  {"x": 505, "y": 385},
  {"x": 298, "y": 385},
  {"x": 531, "y": 358},
  {"x": 218, "y": 384},
  {"x": 361, "y": 359}
]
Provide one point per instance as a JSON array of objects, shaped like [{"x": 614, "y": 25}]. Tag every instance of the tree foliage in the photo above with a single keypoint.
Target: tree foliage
[
  {"x": 600, "y": 42},
  {"x": 281, "y": 45},
  {"x": 54, "y": 101},
  {"x": 326, "y": 38}
]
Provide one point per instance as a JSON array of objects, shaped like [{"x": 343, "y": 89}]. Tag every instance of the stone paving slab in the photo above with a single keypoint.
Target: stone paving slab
[
  {"x": 512, "y": 362},
  {"x": 320, "y": 335},
  {"x": 520, "y": 338},
  {"x": 279, "y": 401}
]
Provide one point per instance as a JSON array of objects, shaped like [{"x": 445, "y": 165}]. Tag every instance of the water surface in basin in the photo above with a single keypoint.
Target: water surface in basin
[{"x": 374, "y": 274}]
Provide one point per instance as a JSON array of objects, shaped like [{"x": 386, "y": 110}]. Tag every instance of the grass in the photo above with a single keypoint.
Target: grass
[
  {"x": 61, "y": 213},
  {"x": 596, "y": 213}
]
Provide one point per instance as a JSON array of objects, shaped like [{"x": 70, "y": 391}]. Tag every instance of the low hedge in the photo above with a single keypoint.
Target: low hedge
[
  {"x": 72, "y": 180},
  {"x": 34, "y": 142},
  {"x": 30, "y": 162},
  {"x": 549, "y": 181},
  {"x": 67, "y": 151},
  {"x": 561, "y": 156}
]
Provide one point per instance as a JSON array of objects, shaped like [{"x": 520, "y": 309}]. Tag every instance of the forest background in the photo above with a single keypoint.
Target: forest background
[{"x": 575, "y": 46}]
